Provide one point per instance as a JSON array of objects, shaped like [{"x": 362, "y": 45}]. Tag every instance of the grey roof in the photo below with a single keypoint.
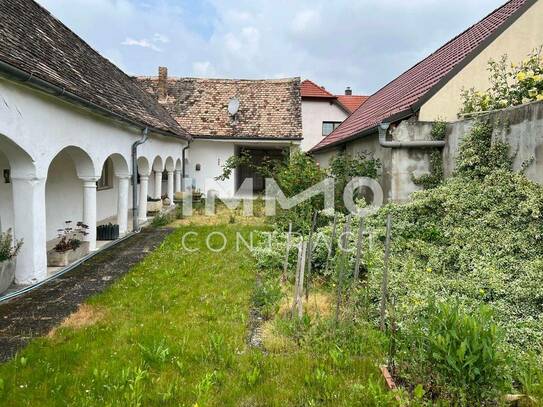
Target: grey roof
[{"x": 34, "y": 41}]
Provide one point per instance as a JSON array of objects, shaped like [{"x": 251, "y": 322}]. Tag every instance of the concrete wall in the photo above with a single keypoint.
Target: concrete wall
[
  {"x": 517, "y": 41},
  {"x": 520, "y": 127},
  {"x": 314, "y": 112}
]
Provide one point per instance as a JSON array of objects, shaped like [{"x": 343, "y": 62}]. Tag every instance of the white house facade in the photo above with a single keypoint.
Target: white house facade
[
  {"x": 228, "y": 117},
  {"x": 74, "y": 130},
  {"x": 322, "y": 112}
]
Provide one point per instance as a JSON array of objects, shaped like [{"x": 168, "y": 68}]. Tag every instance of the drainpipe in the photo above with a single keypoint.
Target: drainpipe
[
  {"x": 144, "y": 138},
  {"x": 183, "y": 163},
  {"x": 383, "y": 128}
]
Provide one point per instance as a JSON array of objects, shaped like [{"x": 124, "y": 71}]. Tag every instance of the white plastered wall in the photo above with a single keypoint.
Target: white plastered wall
[
  {"x": 314, "y": 112},
  {"x": 42, "y": 127}
]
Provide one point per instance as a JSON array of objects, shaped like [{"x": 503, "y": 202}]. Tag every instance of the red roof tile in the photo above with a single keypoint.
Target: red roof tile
[
  {"x": 310, "y": 89},
  {"x": 406, "y": 93},
  {"x": 351, "y": 102}
]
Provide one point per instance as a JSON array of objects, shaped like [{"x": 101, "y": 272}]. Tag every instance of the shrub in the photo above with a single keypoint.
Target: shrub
[
  {"x": 162, "y": 219},
  {"x": 267, "y": 296},
  {"x": 344, "y": 167},
  {"x": 9, "y": 248},
  {"x": 456, "y": 354},
  {"x": 511, "y": 85},
  {"x": 70, "y": 237}
]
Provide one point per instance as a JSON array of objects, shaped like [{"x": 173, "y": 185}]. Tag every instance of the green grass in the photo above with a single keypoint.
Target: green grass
[{"x": 174, "y": 331}]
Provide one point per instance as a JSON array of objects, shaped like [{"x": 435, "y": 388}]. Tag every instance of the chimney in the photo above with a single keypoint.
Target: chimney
[
  {"x": 162, "y": 82},
  {"x": 348, "y": 91}
]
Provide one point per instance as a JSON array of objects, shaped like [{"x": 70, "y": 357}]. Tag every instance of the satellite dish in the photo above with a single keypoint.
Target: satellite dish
[{"x": 233, "y": 106}]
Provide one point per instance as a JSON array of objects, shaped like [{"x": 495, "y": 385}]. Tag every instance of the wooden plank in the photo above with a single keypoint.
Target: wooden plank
[
  {"x": 310, "y": 254},
  {"x": 384, "y": 285},
  {"x": 285, "y": 266},
  {"x": 359, "y": 249}
]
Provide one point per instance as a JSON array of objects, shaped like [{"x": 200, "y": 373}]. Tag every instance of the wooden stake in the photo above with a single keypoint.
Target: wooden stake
[
  {"x": 332, "y": 241},
  {"x": 301, "y": 281},
  {"x": 358, "y": 249},
  {"x": 285, "y": 267},
  {"x": 384, "y": 287},
  {"x": 310, "y": 254},
  {"x": 296, "y": 281},
  {"x": 341, "y": 265}
]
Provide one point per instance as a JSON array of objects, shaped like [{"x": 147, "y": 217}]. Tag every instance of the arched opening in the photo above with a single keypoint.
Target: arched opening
[
  {"x": 156, "y": 180},
  {"x": 113, "y": 197},
  {"x": 22, "y": 209},
  {"x": 70, "y": 197}
]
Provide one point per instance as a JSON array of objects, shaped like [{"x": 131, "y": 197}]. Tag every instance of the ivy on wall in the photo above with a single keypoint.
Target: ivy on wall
[{"x": 435, "y": 177}]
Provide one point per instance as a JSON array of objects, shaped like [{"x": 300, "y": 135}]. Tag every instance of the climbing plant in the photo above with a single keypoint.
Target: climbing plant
[{"x": 435, "y": 176}]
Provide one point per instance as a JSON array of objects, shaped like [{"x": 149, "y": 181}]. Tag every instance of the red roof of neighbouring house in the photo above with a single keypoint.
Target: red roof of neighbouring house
[
  {"x": 351, "y": 102},
  {"x": 310, "y": 89},
  {"x": 405, "y": 95}
]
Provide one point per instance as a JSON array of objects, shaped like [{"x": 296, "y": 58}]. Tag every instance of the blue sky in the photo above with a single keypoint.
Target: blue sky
[{"x": 363, "y": 44}]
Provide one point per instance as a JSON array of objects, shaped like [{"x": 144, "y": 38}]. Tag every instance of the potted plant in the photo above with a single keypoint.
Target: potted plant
[
  {"x": 154, "y": 205},
  {"x": 70, "y": 246},
  {"x": 9, "y": 248}
]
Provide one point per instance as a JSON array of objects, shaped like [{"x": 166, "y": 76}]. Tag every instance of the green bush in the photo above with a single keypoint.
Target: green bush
[
  {"x": 455, "y": 354},
  {"x": 511, "y": 85},
  {"x": 267, "y": 296},
  {"x": 9, "y": 248},
  {"x": 162, "y": 219}
]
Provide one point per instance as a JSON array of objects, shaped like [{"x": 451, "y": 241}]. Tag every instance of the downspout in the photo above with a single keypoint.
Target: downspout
[
  {"x": 183, "y": 166},
  {"x": 144, "y": 138},
  {"x": 383, "y": 128}
]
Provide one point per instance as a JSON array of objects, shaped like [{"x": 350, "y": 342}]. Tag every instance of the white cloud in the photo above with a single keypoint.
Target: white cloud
[
  {"x": 161, "y": 38},
  {"x": 203, "y": 69},
  {"x": 144, "y": 43},
  {"x": 363, "y": 44}
]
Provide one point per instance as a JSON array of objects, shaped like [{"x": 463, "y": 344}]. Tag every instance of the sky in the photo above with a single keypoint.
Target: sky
[{"x": 336, "y": 43}]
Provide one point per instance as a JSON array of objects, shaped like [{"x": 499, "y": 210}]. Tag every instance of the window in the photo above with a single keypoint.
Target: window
[
  {"x": 329, "y": 127},
  {"x": 106, "y": 180}
]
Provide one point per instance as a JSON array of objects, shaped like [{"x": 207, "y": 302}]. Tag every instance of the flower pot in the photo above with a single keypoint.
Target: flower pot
[
  {"x": 7, "y": 274},
  {"x": 154, "y": 207},
  {"x": 63, "y": 259}
]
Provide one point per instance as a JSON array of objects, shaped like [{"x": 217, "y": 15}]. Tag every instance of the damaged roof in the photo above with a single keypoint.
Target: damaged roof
[
  {"x": 405, "y": 95},
  {"x": 35, "y": 43},
  {"x": 268, "y": 108}
]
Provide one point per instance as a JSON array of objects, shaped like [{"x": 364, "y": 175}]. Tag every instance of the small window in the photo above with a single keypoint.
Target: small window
[
  {"x": 329, "y": 127},
  {"x": 106, "y": 180},
  {"x": 198, "y": 167}
]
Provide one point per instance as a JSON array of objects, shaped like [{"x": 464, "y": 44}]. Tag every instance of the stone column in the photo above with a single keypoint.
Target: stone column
[
  {"x": 89, "y": 210},
  {"x": 170, "y": 187},
  {"x": 122, "y": 204},
  {"x": 177, "y": 180},
  {"x": 142, "y": 207},
  {"x": 158, "y": 184},
  {"x": 30, "y": 225}
]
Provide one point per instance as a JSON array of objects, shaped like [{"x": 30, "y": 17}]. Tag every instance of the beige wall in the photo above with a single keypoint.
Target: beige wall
[
  {"x": 517, "y": 41},
  {"x": 313, "y": 114}
]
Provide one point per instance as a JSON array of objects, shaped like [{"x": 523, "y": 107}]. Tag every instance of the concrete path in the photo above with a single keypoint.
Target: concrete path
[{"x": 37, "y": 312}]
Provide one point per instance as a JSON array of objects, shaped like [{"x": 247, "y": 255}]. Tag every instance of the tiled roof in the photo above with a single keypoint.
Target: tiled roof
[
  {"x": 405, "y": 94},
  {"x": 34, "y": 41},
  {"x": 351, "y": 102},
  {"x": 310, "y": 89},
  {"x": 267, "y": 109}
]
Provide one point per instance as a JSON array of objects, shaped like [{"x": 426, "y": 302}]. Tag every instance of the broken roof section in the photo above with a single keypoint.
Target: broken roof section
[
  {"x": 35, "y": 43},
  {"x": 403, "y": 96},
  {"x": 268, "y": 108}
]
